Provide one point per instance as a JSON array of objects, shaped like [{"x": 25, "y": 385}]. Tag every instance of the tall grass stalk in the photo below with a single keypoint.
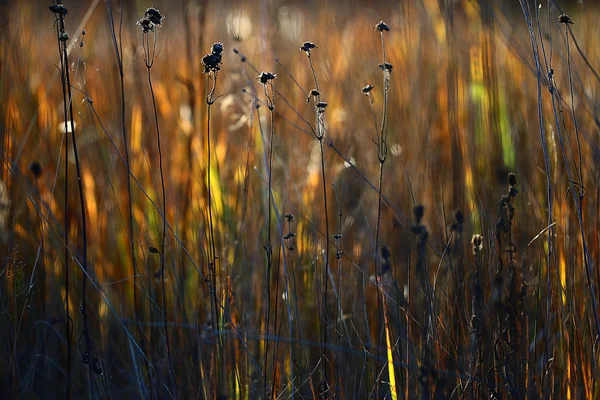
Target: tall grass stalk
[
  {"x": 60, "y": 12},
  {"x": 319, "y": 131},
  {"x": 152, "y": 19},
  {"x": 118, "y": 47}
]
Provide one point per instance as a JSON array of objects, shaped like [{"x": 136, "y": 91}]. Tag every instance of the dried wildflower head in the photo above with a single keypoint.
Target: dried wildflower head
[
  {"x": 477, "y": 243},
  {"x": 59, "y": 9},
  {"x": 315, "y": 92},
  {"x": 307, "y": 47},
  {"x": 265, "y": 77},
  {"x": 289, "y": 217},
  {"x": 337, "y": 236},
  {"x": 212, "y": 60},
  {"x": 154, "y": 16},
  {"x": 321, "y": 105},
  {"x": 386, "y": 67},
  {"x": 512, "y": 179},
  {"x": 565, "y": 19},
  {"x": 366, "y": 89},
  {"x": 382, "y": 26},
  {"x": 289, "y": 235},
  {"x": 36, "y": 169},
  {"x": 217, "y": 48},
  {"x": 146, "y": 24}
]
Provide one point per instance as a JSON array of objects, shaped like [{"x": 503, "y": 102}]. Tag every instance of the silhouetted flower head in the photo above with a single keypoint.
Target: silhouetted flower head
[
  {"x": 212, "y": 60},
  {"x": 512, "y": 179},
  {"x": 565, "y": 19},
  {"x": 146, "y": 24},
  {"x": 59, "y": 9},
  {"x": 315, "y": 92},
  {"x": 321, "y": 104},
  {"x": 217, "y": 48},
  {"x": 367, "y": 88},
  {"x": 308, "y": 46},
  {"x": 265, "y": 77},
  {"x": 289, "y": 217},
  {"x": 152, "y": 18},
  {"x": 36, "y": 169},
  {"x": 382, "y": 26}
]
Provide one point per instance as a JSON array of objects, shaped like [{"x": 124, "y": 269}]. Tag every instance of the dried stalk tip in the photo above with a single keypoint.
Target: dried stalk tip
[
  {"x": 321, "y": 105},
  {"x": 289, "y": 217},
  {"x": 265, "y": 77},
  {"x": 58, "y": 9},
  {"x": 565, "y": 19},
  {"x": 289, "y": 235},
  {"x": 307, "y": 47},
  {"x": 315, "y": 92},
  {"x": 419, "y": 212},
  {"x": 386, "y": 67},
  {"x": 512, "y": 179},
  {"x": 367, "y": 89},
  {"x": 382, "y": 26}
]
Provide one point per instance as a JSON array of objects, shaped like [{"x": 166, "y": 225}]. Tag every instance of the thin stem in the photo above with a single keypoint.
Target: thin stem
[{"x": 164, "y": 212}]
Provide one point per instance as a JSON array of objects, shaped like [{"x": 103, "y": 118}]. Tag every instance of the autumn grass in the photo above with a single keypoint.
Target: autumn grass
[{"x": 258, "y": 248}]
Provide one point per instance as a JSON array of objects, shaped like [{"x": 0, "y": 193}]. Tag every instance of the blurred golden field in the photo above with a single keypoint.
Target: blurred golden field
[{"x": 358, "y": 322}]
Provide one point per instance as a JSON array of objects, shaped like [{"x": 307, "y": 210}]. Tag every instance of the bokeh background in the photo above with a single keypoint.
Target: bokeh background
[{"x": 463, "y": 113}]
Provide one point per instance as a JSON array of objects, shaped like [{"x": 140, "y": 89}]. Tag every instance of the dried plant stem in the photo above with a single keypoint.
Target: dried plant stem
[
  {"x": 320, "y": 134},
  {"x": 118, "y": 46},
  {"x": 149, "y": 60}
]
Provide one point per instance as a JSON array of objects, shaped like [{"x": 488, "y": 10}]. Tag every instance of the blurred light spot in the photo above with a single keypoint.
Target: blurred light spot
[
  {"x": 291, "y": 23},
  {"x": 396, "y": 150},
  {"x": 239, "y": 24},
  {"x": 66, "y": 129}
]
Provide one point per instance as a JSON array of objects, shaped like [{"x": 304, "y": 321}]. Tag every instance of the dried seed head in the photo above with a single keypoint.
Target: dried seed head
[
  {"x": 512, "y": 179},
  {"x": 315, "y": 92},
  {"x": 565, "y": 19},
  {"x": 367, "y": 88},
  {"x": 217, "y": 48},
  {"x": 212, "y": 60},
  {"x": 289, "y": 217},
  {"x": 154, "y": 16},
  {"x": 307, "y": 47},
  {"x": 382, "y": 26},
  {"x": 321, "y": 105},
  {"x": 146, "y": 24},
  {"x": 59, "y": 9},
  {"x": 289, "y": 235},
  {"x": 265, "y": 77}
]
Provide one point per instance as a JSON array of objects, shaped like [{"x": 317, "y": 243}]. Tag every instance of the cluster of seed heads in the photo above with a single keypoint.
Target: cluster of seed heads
[
  {"x": 151, "y": 20},
  {"x": 212, "y": 60}
]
